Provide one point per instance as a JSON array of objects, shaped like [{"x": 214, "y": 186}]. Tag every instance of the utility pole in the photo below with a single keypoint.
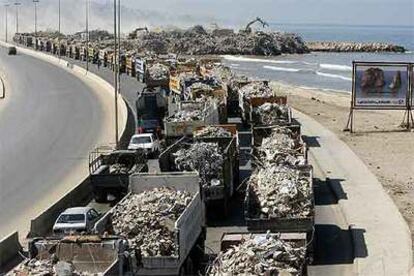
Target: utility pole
[
  {"x": 115, "y": 57},
  {"x": 17, "y": 4},
  {"x": 35, "y": 16},
  {"x": 59, "y": 30},
  {"x": 87, "y": 35},
  {"x": 6, "y": 8},
  {"x": 119, "y": 65}
]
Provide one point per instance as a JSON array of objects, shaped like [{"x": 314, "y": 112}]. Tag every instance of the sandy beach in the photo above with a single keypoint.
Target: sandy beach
[{"x": 378, "y": 139}]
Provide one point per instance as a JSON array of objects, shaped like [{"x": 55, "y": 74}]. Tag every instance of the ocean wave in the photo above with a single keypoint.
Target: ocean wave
[
  {"x": 283, "y": 69},
  {"x": 335, "y": 76},
  {"x": 307, "y": 71},
  {"x": 235, "y": 65},
  {"x": 335, "y": 67},
  {"x": 245, "y": 59}
]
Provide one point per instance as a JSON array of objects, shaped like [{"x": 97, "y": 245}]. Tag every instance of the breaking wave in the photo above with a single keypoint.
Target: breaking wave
[
  {"x": 307, "y": 71},
  {"x": 335, "y": 76},
  {"x": 335, "y": 67},
  {"x": 245, "y": 59}
]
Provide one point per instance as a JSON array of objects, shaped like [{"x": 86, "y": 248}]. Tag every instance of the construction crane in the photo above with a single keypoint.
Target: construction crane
[
  {"x": 258, "y": 19},
  {"x": 134, "y": 33}
]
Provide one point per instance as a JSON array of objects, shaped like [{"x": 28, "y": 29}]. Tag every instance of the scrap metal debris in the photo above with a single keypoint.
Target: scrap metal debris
[
  {"x": 280, "y": 191},
  {"x": 256, "y": 90},
  {"x": 212, "y": 131},
  {"x": 281, "y": 148},
  {"x": 272, "y": 114},
  {"x": 261, "y": 255},
  {"x": 148, "y": 220},
  {"x": 206, "y": 158}
]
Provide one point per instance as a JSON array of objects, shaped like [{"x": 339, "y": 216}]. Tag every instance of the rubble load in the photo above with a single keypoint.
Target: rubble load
[
  {"x": 272, "y": 114},
  {"x": 212, "y": 131},
  {"x": 332, "y": 46},
  {"x": 205, "y": 158},
  {"x": 280, "y": 191},
  {"x": 186, "y": 115},
  {"x": 147, "y": 219},
  {"x": 256, "y": 89},
  {"x": 45, "y": 267},
  {"x": 282, "y": 148},
  {"x": 158, "y": 72},
  {"x": 261, "y": 255}
]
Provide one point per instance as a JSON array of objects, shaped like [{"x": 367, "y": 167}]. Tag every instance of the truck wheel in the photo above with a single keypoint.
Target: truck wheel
[{"x": 100, "y": 197}]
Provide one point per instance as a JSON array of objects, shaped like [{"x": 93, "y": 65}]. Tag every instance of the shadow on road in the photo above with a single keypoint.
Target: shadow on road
[{"x": 336, "y": 246}]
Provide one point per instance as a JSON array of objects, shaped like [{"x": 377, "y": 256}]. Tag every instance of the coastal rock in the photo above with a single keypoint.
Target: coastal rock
[{"x": 332, "y": 46}]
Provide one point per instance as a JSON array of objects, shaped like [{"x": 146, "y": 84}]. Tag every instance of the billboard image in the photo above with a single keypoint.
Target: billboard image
[{"x": 381, "y": 85}]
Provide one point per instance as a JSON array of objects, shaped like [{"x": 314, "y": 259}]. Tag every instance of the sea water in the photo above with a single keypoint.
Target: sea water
[{"x": 330, "y": 71}]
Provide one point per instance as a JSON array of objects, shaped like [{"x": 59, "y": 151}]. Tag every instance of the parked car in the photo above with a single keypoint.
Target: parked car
[
  {"x": 12, "y": 51},
  {"x": 77, "y": 219},
  {"x": 147, "y": 142}
]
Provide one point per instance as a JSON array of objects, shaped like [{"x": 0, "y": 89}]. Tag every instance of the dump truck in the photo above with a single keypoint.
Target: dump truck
[
  {"x": 103, "y": 56},
  {"x": 90, "y": 254},
  {"x": 294, "y": 242},
  {"x": 109, "y": 171},
  {"x": 257, "y": 222},
  {"x": 176, "y": 128},
  {"x": 189, "y": 228},
  {"x": 130, "y": 64},
  {"x": 151, "y": 106},
  {"x": 221, "y": 192},
  {"x": 143, "y": 71}
]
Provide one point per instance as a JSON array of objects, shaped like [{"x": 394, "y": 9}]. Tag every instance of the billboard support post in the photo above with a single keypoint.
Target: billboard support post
[{"x": 382, "y": 86}]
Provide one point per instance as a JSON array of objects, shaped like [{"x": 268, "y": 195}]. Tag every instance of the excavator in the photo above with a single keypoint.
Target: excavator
[
  {"x": 248, "y": 28},
  {"x": 134, "y": 33}
]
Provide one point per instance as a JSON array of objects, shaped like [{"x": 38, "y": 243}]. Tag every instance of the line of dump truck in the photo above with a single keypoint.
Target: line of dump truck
[{"x": 157, "y": 225}]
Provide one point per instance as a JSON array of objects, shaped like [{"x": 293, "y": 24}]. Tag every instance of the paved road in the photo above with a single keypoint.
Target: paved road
[{"x": 49, "y": 123}]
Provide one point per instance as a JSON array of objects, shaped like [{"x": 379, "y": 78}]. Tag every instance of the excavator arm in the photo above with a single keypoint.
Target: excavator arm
[{"x": 258, "y": 19}]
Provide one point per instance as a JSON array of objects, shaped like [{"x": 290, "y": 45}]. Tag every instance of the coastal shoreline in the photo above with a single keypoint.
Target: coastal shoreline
[{"x": 378, "y": 140}]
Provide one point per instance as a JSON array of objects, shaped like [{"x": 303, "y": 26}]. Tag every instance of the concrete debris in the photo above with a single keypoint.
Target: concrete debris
[
  {"x": 256, "y": 90},
  {"x": 148, "y": 220},
  {"x": 159, "y": 72},
  {"x": 261, "y": 255},
  {"x": 280, "y": 191},
  {"x": 199, "y": 86},
  {"x": 272, "y": 114},
  {"x": 197, "y": 41},
  {"x": 212, "y": 131},
  {"x": 35, "y": 267},
  {"x": 282, "y": 149},
  {"x": 118, "y": 169},
  {"x": 186, "y": 116},
  {"x": 205, "y": 158}
]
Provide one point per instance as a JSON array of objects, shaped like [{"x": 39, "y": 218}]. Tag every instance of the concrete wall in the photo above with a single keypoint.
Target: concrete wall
[
  {"x": 9, "y": 248},
  {"x": 41, "y": 225}
]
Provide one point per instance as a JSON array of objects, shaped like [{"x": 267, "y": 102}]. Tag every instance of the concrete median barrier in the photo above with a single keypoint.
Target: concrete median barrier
[
  {"x": 9, "y": 251},
  {"x": 41, "y": 226}
]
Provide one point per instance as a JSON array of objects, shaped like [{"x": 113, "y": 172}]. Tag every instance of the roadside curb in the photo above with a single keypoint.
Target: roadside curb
[
  {"x": 380, "y": 237},
  {"x": 2, "y": 89}
]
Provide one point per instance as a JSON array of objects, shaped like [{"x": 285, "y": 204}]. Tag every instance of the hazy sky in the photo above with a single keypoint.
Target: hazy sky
[{"x": 233, "y": 13}]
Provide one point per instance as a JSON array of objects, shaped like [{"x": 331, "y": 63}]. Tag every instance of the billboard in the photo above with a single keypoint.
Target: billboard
[{"x": 380, "y": 85}]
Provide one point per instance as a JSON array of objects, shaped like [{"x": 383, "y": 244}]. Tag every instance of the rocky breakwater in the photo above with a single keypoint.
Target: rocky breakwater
[
  {"x": 332, "y": 46},
  {"x": 197, "y": 41}
]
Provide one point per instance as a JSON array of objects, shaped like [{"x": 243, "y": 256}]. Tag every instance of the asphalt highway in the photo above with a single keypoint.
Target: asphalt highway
[{"x": 49, "y": 122}]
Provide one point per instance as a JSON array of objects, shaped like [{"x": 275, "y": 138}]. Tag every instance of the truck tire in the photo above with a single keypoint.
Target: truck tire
[{"x": 100, "y": 196}]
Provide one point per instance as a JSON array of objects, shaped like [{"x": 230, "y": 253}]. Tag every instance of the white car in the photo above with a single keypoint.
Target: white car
[
  {"x": 147, "y": 142},
  {"x": 78, "y": 219}
]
